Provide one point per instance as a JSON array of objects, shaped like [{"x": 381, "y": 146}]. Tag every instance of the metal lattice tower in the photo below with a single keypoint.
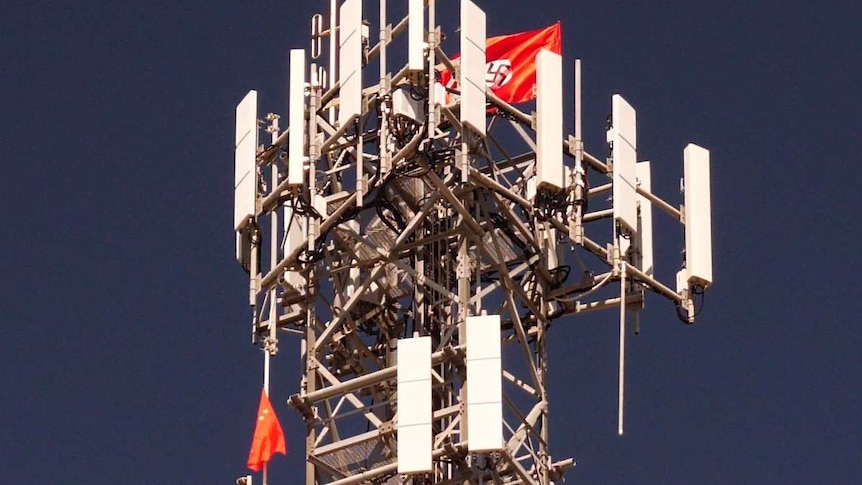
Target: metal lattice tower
[{"x": 394, "y": 218}]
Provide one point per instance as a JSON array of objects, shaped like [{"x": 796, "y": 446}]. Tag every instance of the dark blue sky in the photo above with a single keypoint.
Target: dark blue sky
[{"x": 125, "y": 354}]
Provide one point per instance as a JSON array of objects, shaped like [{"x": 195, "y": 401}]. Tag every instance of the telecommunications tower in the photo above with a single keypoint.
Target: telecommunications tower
[{"x": 419, "y": 239}]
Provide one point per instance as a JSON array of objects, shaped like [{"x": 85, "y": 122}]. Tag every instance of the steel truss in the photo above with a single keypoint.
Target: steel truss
[{"x": 407, "y": 228}]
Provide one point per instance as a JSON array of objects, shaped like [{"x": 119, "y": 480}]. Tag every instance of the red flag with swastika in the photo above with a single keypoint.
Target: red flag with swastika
[{"x": 511, "y": 62}]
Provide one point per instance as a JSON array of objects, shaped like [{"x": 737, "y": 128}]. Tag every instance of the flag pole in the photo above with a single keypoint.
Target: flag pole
[
  {"x": 270, "y": 342},
  {"x": 266, "y": 372},
  {"x": 266, "y": 357},
  {"x": 270, "y": 346}
]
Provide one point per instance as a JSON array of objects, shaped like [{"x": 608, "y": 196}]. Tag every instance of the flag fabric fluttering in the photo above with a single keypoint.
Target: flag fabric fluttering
[
  {"x": 268, "y": 436},
  {"x": 511, "y": 62}
]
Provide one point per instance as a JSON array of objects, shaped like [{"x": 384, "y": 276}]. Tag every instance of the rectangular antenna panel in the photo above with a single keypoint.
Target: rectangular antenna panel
[
  {"x": 350, "y": 61},
  {"x": 531, "y": 188},
  {"x": 484, "y": 384},
  {"x": 318, "y": 202},
  {"x": 245, "y": 172},
  {"x": 243, "y": 250},
  {"x": 404, "y": 105},
  {"x": 414, "y": 405},
  {"x": 296, "y": 119},
  {"x": 549, "y": 121},
  {"x": 294, "y": 227},
  {"x": 681, "y": 281},
  {"x": 698, "y": 215},
  {"x": 416, "y": 36},
  {"x": 624, "y": 139},
  {"x": 644, "y": 234},
  {"x": 472, "y": 81}
]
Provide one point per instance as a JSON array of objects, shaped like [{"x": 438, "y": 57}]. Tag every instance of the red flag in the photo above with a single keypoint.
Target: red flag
[
  {"x": 511, "y": 62},
  {"x": 268, "y": 436}
]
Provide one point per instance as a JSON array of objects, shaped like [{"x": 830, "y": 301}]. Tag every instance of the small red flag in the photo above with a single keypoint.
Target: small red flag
[
  {"x": 511, "y": 62},
  {"x": 268, "y": 436}
]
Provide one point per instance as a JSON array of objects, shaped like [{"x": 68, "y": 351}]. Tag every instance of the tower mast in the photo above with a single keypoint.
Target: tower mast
[{"x": 423, "y": 238}]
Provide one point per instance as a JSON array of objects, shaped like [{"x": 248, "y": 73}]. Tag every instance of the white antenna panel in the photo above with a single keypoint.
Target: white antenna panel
[
  {"x": 294, "y": 237},
  {"x": 698, "y": 215},
  {"x": 681, "y": 281},
  {"x": 243, "y": 249},
  {"x": 473, "y": 68},
  {"x": 624, "y": 138},
  {"x": 245, "y": 172},
  {"x": 404, "y": 105},
  {"x": 644, "y": 234},
  {"x": 531, "y": 188},
  {"x": 414, "y": 405},
  {"x": 296, "y": 118},
  {"x": 484, "y": 384},
  {"x": 350, "y": 61},
  {"x": 416, "y": 36},
  {"x": 549, "y": 120},
  {"x": 318, "y": 202}
]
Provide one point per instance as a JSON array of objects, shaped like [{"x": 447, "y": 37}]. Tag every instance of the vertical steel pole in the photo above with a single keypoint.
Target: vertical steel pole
[
  {"x": 383, "y": 93},
  {"x": 622, "y": 345}
]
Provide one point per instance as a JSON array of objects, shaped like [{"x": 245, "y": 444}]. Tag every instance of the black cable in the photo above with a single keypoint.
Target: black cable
[
  {"x": 684, "y": 318},
  {"x": 699, "y": 291},
  {"x": 679, "y": 313},
  {"x": 555, "y": 273}
]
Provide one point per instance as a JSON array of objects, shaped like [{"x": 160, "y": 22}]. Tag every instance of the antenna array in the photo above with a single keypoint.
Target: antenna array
[{"x": 422, "y": 239}]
